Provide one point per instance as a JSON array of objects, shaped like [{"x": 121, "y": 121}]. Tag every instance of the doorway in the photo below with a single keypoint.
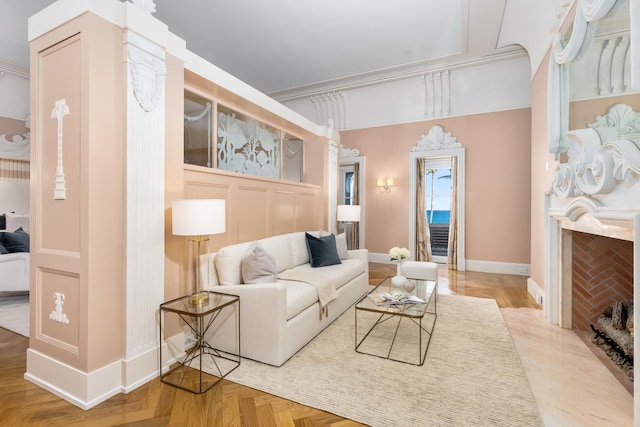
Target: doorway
[
  {"x": 438, "y": 195},
  {"x": 352, "y": 190}
]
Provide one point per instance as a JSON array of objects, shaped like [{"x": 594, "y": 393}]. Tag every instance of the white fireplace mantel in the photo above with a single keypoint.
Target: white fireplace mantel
[{"x": 597, "y": 191}]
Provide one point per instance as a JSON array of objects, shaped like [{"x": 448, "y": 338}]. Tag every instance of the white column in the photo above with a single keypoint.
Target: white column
[
  {"x": 144, "y": 255},
  {"x": 332, "y": 190}
]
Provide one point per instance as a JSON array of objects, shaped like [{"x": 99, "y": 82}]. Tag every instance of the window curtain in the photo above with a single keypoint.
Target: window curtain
[
  {"x": 423, "y": 236},
  {"x": 354, "y": 229},
  {"x": 452, "y": 250}
]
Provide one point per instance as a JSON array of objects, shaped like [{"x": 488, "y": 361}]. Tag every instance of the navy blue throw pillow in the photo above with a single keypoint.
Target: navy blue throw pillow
[
  {"x": 3, "y": 250},
  {"x": 322, "y": 250},
  {"x": 15, "y": 242}
]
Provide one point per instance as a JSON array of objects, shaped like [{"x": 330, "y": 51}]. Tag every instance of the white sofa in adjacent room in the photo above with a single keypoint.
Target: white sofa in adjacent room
[
  {"x": 279, "y": 315},
  {"x": 14, "y": 253}
]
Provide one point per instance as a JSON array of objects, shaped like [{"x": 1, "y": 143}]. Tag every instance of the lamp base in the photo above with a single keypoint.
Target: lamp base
[{"x": 199, "y": 298}]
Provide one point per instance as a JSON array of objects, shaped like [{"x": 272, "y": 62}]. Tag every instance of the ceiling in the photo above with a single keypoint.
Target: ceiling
[{"x": 280, "y": 45}]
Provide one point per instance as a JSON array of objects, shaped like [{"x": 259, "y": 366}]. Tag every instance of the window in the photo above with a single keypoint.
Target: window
[{"x": 238, "y": 142}]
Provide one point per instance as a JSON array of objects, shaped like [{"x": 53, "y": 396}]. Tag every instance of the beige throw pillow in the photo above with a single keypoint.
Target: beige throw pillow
[{"x": 258, "y": 266}]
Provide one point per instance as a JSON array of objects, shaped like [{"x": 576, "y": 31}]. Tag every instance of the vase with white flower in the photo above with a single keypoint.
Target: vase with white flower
[{"x": 398, "y": 254}]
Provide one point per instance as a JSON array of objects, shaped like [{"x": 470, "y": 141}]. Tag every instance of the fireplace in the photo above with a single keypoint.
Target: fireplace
[{"x": 593, "y": 212}]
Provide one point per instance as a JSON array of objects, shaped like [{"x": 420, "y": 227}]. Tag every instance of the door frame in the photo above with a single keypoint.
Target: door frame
[
  {"x": 438, "y": 154},
  {"x": 360, "y": 160}
]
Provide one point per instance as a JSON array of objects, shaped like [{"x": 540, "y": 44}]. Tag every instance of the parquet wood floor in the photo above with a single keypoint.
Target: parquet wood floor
[{"x": 227, "y": 404}]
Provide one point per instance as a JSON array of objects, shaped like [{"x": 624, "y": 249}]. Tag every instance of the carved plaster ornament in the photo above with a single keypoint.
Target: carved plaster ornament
[
  {"x": 348, "y": 152},
  {"x": 436, "y": 139},
  {"x": 601, "y": 156},
  {"x": 59, "y": 111},
  {"x": 148, "y": 6},
  {"x": 58, "y": 314},
  {"x": 147, "y": 78}
]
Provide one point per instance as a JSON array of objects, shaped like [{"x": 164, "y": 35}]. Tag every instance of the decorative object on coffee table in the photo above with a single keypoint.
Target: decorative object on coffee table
[{"x": 399, "y": 254}]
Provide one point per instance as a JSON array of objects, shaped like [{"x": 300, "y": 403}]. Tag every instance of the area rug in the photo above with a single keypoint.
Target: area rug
[
  {"x": 472, "y": 375},
  {"x": 14, "y": 314}
]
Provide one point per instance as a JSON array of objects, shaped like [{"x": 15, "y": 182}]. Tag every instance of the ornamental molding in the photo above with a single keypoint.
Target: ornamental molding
[
  {"x": 436, "y": 139},
  {"x": 147, "y": 77},
  {"x": 60, "y": 110},
  {"x": 58, "y": 314},
  {"x": 437, "y": 94},
  {"x": 348, "y": 152},
  {"x": 621, "y": 122},
  {"x": 15, "y": 148},
  {"x": 148, "y": 6},
  {"x": 330, "y": 106},
  {"x": 602, "y": 157}
]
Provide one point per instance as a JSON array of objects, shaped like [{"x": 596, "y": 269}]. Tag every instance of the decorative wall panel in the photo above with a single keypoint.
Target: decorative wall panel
[{"x": 256, "y": 207}]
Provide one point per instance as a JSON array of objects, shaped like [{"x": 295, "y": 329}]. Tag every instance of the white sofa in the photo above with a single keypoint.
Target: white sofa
[
  {"x": 14, "y": 267},
  {"x": 277, "y": 319},
  {"x": 14, "y": 272}
]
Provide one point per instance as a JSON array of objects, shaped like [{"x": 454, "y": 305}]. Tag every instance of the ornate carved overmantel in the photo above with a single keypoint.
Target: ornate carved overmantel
[{"x": 603, "y": 161}]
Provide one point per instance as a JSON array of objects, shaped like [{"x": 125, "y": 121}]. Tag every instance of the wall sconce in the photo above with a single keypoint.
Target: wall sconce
[{"x": 385, "y": 184}]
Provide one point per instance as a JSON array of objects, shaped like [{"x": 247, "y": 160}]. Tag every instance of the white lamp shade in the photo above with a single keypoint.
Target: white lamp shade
[
  {"x": 198, "y": 217},
  {"x": 348, "y": 213}
]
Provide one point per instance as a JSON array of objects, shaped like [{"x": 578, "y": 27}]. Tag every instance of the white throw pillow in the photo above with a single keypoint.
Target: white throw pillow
[
  {"x": 341, "y": 246},
  {"x": 258, "y": 266},
  {"x": 227, "y": 262},
  {"x": 15, "y": 221}
]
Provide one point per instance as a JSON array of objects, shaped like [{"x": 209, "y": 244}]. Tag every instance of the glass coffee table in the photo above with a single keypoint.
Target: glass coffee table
[{"x": 397, "y": 331}]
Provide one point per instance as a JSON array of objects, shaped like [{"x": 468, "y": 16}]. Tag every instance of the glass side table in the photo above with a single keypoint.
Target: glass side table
[{"x": 203, "y": 366}]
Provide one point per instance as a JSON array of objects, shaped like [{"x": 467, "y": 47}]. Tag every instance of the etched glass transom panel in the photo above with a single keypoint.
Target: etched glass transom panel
[{"x": 246, "y": 145}]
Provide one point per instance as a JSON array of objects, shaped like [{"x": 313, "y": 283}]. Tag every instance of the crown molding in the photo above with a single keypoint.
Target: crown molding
[
  {"x": 17, "y": 70},
  {"x": 395, "y": 73}
]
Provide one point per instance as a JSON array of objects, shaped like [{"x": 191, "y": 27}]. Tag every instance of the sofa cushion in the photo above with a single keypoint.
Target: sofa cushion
[
  {"x": 341, "y": 245},
  {"x": 3, "y": 250},
  {"x": 15, "y": 242},
  {"x": 280, "y": 248},
  {"x": 300, "y": 295},
  {"x": 322, "y": 250},
  {"x": 14, "y": 221},
  {"x": 227, "y": 262},
  {"x": 258, "y": 266},
  {"x": 299, "y": 251},
  {"x": 341, "y": 273}
]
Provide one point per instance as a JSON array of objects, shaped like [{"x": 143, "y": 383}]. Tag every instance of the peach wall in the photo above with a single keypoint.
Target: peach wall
[
  {"x": 174, "y": 284},
  {"x": 497, "y": 182},
  {"x": 77, "y": 242}
]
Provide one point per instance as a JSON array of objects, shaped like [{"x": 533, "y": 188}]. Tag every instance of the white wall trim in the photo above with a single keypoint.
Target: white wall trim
[
  {"x": 498, "y": 267},
  {"x": 84, "y": 390},
  {"x": 389, "y": 75},
  {"x": 536, "y": 291},
  {"x": 473, "y": 265}
]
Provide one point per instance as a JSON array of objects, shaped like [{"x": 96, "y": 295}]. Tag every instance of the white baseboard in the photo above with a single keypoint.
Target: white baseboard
[
  {"x": 471, "y": 265},
  {"x": 498, "y": 267},
  {"x": 536, "y": 291},
  {"x": 85, "y": 390}
]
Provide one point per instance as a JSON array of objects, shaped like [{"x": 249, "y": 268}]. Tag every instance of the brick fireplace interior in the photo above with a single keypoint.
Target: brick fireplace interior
[{"x": 602, "y": 273}]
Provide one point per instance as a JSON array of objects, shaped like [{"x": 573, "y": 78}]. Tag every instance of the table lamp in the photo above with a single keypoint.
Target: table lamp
[
  {"x": 349, "y": 214},
  {"x": 198, "y": 218}
]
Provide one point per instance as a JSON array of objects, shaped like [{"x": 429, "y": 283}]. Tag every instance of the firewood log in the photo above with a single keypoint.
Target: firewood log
[{"x": 619, "y": 315}]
